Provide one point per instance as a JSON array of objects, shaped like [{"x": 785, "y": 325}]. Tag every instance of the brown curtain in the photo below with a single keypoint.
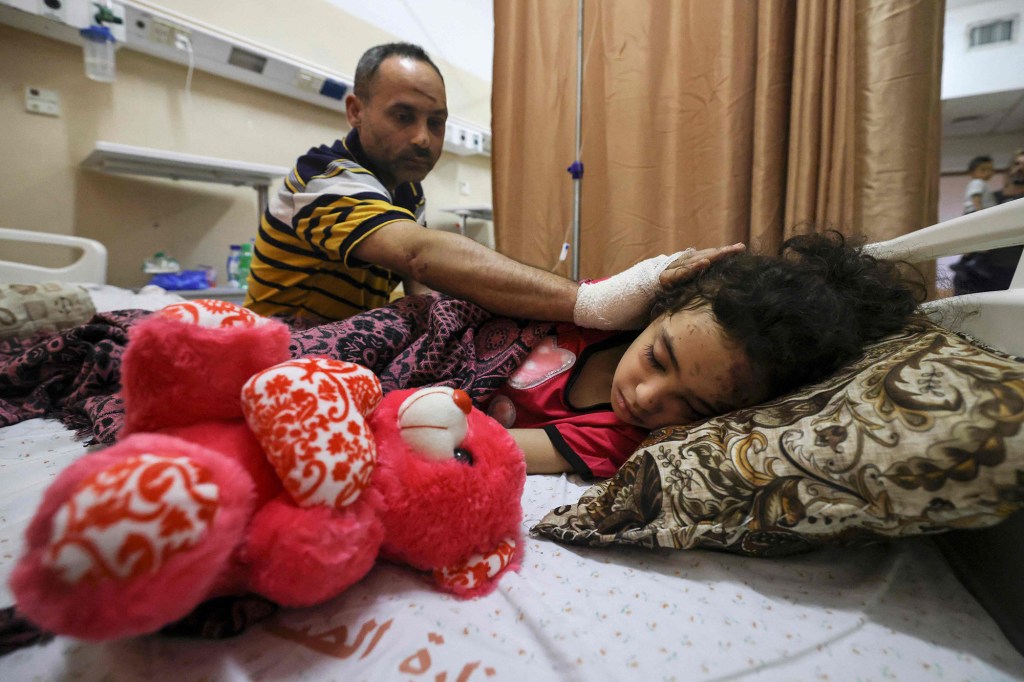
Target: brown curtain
[{"x": 710, "y": 122}]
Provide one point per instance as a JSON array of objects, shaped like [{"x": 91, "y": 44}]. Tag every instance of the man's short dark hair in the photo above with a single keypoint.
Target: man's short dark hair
[
  {"x": 371, "y": 60},
  {"x": 977, "y": 161}
]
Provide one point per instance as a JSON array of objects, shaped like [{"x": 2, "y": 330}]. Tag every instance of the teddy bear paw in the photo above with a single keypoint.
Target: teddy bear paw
[
  {"x": 476, "y": 573},
  {"x": 309, "y": 415},
  {"x": 128, "y": 519}
]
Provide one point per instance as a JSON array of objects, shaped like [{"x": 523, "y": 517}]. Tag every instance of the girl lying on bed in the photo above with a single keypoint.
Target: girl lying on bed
[{"x": 746, "y": 329}]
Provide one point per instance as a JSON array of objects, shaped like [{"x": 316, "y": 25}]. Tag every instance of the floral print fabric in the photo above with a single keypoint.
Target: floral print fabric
[
  {"x": 75, "y": 375},
  {"x": 922, "y": 434}
]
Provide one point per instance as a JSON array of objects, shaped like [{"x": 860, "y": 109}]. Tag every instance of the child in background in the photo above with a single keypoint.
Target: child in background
[
  {"x": 746, "y": 329},
  {"x": 991, "y": 270},
  {"x": 979, "y": 195}
]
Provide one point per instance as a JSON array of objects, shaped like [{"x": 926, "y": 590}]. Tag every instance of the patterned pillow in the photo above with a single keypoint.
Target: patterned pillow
[
  {"x": 923, "y": 433},
  {"x": 30, "y": 309}
]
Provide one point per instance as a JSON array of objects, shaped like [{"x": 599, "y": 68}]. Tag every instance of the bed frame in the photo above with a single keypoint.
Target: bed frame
[
  {"x": 993, "y": 317},
  {"x": 89, "y": 267}
]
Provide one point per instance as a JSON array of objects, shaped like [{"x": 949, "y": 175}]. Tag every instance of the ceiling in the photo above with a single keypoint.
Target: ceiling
[{"x": 992, "y": 113}]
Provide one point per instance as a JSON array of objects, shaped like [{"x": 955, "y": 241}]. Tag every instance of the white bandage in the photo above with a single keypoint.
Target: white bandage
[{"x": 622, "y": 301}]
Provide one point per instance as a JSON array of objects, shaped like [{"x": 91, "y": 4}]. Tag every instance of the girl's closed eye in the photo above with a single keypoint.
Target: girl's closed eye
[{"x": 651, "y": 360}]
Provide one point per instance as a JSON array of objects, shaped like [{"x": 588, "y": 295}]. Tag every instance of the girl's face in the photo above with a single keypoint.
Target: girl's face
[{"x": 681, "y": 369}]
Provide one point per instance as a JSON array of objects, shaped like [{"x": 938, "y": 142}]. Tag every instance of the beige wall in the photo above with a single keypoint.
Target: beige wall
[{"x": 43, "y": 188}]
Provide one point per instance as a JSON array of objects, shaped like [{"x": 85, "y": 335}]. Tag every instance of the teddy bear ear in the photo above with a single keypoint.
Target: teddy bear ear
[
  {"x": 309, "y": 416},
  {"x": 186, "y": 363},
  {"x": 212, "y": 314},
  {"x": 479, "y": 574}
]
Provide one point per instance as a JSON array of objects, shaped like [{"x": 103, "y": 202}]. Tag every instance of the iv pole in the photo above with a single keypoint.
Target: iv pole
[{"x": 576, "y": 169}]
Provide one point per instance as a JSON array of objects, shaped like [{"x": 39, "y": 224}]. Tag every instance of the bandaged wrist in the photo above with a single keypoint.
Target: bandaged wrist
[{"x": 622, "y": 301}]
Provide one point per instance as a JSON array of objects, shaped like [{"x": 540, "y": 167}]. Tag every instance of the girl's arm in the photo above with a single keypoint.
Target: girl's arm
[{"x": 541, "y": 455}]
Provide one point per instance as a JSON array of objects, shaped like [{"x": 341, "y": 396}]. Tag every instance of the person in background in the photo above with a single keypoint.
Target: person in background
[
  {"x": 1013, "y": 180},
  {"x": 979, "y": 195},
  {"x": 347, "y": 224},
  {"x": 746, "y": 329},
  {"x": 991, "y": 270}
]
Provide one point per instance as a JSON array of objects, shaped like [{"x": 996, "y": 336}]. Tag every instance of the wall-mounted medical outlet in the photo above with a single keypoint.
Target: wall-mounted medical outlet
[
  {"x": 109, "y": 14},
  {"x": 166, "y": 33},
  {"x": 53, "y": 9},
  {"x": 463, "y": 140},
  {"x": 40, "y": 101},
  {"x": 308, "y": 81}
]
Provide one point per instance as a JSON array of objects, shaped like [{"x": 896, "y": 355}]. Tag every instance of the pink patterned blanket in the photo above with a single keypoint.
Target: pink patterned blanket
[{"x": 75, "y": 375}]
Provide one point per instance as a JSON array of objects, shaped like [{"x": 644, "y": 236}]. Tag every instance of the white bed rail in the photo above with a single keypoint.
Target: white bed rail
[
  {"x": 994, "y": 317},
  {"x": 991, "y": 228},
  {"x": 89, "y": 268}
]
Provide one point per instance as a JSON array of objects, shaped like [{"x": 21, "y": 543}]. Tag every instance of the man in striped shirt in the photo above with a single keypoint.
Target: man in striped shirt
[{"x": 347, "y": 225}]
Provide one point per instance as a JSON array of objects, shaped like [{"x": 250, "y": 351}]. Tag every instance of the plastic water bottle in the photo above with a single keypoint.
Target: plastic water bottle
[
  {"x": 244, "y": 264},
  {"x": 234, "y": 259}
]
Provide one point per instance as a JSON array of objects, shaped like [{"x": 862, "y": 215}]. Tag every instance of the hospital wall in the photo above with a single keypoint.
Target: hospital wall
[{"x": 42, "y": 186}]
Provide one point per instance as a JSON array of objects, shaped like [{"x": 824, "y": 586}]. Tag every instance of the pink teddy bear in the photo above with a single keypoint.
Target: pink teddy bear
[{"x": 241, "y": 470}]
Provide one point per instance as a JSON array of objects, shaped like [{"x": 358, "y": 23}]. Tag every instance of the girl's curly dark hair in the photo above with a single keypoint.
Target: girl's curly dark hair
[{"x": 805, "y": 312}]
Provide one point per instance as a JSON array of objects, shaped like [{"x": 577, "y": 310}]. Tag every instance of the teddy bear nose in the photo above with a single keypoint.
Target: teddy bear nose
[
  {"x": 433, "y": 421},
  {"x": 462, "y": 400}
]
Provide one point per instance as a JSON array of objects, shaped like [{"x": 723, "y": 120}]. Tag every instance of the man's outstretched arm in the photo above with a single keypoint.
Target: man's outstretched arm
[
  {"x": 458, "y": 266},
  {"x": 463, "y": 268}
]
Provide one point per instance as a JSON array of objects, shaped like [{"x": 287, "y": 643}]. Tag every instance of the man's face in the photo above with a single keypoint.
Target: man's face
[
  {"x": 401, "y": 124},
  {"x": 1017, "y": 170}
]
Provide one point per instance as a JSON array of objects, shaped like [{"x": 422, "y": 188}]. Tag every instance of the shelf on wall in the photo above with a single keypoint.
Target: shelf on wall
[
  {"x": 475, "y": 211},
  {"x": 123, "y": 159},
  {"x": 110, "y": 157}
]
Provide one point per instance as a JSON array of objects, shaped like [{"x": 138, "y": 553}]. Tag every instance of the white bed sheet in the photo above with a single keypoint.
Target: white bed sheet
[
  {"x": 106, "y": 297},
  {"x": 878, "y": 613}
]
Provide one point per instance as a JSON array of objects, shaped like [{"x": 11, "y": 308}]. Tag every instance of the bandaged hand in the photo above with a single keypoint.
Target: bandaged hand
[{"x": 623, "y": 301}]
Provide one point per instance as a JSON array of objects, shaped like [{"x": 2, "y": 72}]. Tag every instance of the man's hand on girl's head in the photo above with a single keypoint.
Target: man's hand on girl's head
[
  {"x": 692, "y": 261},
  {"x": 623, "y": 301}
]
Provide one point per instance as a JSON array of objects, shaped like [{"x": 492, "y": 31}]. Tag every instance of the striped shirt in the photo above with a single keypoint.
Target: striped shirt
[{"x": 302, "y": 263}]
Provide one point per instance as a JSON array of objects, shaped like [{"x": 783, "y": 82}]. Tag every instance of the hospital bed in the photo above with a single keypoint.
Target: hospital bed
[{"x": 893, "y": 610}]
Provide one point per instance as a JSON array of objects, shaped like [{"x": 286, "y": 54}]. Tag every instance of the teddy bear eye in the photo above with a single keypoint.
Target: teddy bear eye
[{"x": 463, "y": 455}]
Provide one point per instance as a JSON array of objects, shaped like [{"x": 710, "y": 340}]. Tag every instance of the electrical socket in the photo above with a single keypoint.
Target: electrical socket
[{"x": 40, "y": 101}]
